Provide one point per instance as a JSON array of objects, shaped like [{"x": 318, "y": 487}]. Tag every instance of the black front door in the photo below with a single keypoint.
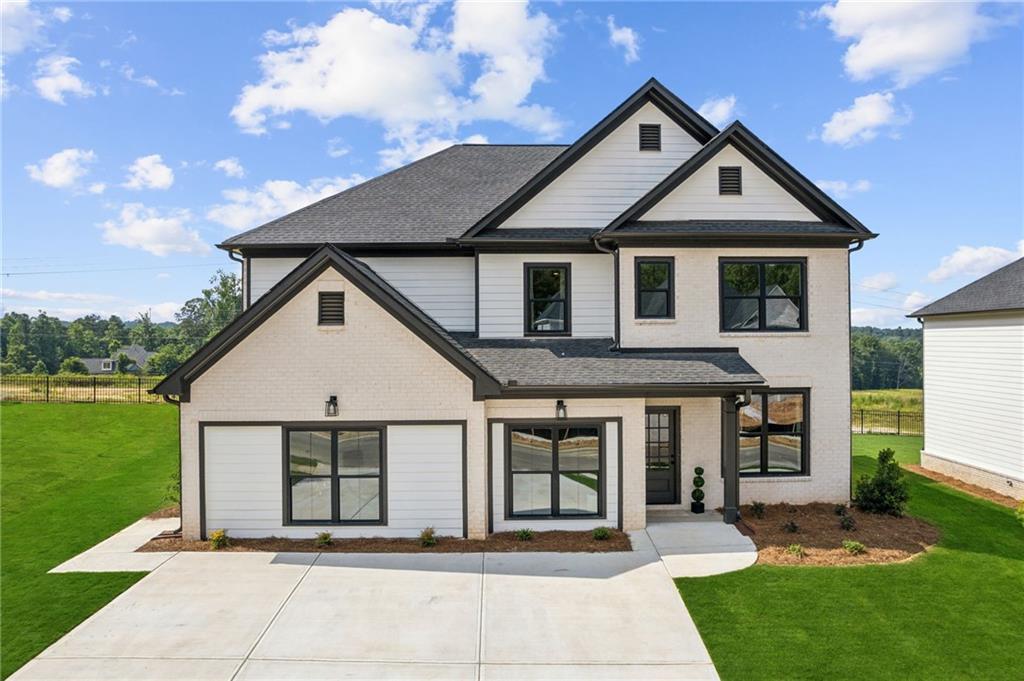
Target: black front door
[{"x": 661, "y": 431}]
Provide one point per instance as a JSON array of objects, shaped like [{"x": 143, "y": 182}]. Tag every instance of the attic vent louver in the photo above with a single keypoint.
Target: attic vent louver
[
  {"x": 730, "y": 180},
  {"x": 650, "y": 137},
  {"x": 332, "y": 308}
]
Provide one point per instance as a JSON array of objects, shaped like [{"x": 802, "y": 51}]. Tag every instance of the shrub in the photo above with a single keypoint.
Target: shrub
[
  {"x": 602, "y": 533},
  {"x": 39, "y": 369},
  {"x": 848, "y": 523},
  {"x": 73, "y": 365},
  {"x": 885, "y": 491},
  {"x": 840, "y": 509},
  {"x": 757, "y": 508},
  {"x": 524, "y": 534},
  {"x": 428, "y": 538},
  {"x": 791, "y": 527},
  {"x": 854, "y": 548},
  {"x": 795, "y": 550},
  {"x": 324, "y": 539},
  {"x": 1020, "y": 513},
  {"x": 219, "y": 539}
]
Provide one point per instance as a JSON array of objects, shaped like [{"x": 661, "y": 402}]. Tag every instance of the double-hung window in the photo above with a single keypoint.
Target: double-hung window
[
  {"x": 555, "y": 470},
  {"x": 774, "y": 434},
  {"x": 763, "y": 295},
  {"x": 335, "y": 476},
  {"x": 655, "y": 289},
  {"x": 546, "y": 299}
]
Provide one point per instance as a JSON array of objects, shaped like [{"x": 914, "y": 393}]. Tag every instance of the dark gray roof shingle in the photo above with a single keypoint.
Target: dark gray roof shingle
[
  {"x": 434, "y": 199},
  {"x": 1001, "y": 290},
  {"x": 591, "y": 362},
  {"x": 732, "y": 227}
]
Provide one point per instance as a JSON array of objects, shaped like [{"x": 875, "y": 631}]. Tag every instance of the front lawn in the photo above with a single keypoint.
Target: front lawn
[
  {"x": 954, "y": 613},
  {"x": 72, "y": 475}
]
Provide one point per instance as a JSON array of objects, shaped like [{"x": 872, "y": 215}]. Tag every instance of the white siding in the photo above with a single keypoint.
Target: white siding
[
  {"x": 609, "y": 178},
  {"x": 591, "y": 291},
  {"x": 611, "y": 471},
  {"x": 697, "y": 198},
  {"x": 244, "y": 474},
  {"x": 974, "y": 391},
  {"x": 444, "y": 288}
]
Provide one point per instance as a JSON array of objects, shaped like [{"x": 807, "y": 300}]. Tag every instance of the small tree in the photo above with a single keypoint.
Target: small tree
[
  {"x": 124, "y": 363},
  {"x": 697, "y": 505},
  {"x": 73, "y": 365},
  {"x": 884, "y": 492},
  {"x": 40, "y": 368}
]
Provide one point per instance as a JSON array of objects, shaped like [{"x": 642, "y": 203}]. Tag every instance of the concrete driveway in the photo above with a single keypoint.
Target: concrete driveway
[{"x": 391, "y": 616}]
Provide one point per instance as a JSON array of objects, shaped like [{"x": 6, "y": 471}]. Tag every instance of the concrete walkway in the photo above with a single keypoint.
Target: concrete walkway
[
  {"x": 117, "y": 553},
  {"x": 698, "y": 546}
]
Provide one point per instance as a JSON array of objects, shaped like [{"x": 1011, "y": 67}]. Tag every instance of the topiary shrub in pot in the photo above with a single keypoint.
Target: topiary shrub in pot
[{"x": 697, "y": 505}]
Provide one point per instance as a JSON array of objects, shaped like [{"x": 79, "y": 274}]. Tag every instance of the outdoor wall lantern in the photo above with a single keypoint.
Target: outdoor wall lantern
[
  {"x": 560, "y": 411},
  {"x": 331, "y": 406}
]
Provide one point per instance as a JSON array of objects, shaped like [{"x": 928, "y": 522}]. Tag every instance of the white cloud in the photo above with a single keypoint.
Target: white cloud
[
  {"x": 147, "y": 229},
  {"x": 62, "y": 14},
  {"x": 883, "y": 281},
  {"x": 974, "y": 262},
  {"x": 413, "y": 149},
  {"x": 97, "y": 188},
  {"x": 336, "y": 147},
  {"x": 248, "y": 208},
  {"x": 149, "y": 172},
  {"x": 891, "y": 314},
  {"x": 906, "y": 40},
  {"x": 358, "y": 62},
  {"x": 129, "y": 74},
  {"x": 230, "y": 167},
  {"x": 163, "y": 275},
  {"x": 52, "y": 296},
  {"x": 22, "y": 27},
  {"x": 719, "y": 110},
  {"x": 842, "y": 189},
  {"x": 64, "y": 169},
  {"x": 54, "y": 79},
  {"x": 626, "y": 38},
  {"x": 862, "y": 122},
  {"x": 77, "y": 304}
]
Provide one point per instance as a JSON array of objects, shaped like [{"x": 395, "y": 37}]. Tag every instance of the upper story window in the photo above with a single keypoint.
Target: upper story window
[
  {"x": 763, "y": 295},
  {"x": 730, "y": 180},
  {"x": 655, "y": 289},
  {"x": 650, "y": 137},
  {"x": 547, "y": 301}
]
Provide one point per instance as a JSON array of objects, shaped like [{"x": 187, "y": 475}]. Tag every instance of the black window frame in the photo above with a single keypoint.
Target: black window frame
[
  {"x": 555, "y": 426},
  {"x": 739, "y": 178},
  {"x": 762, "y": 297},
  {"x": 320, "y": 308},
  {"x": 671, "y": 291},
  {"x": 640, "y": 136},
  {"x": 765, "y": 433},
  {"x": 334, "y": 429},
  {"x": 528, "y": 298}
]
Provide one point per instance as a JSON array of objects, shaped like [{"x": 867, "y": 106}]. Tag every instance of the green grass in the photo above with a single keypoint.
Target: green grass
[
  {"x": 954, "y": 613},
  {"x": 911, "y": 399},
  {"x": 72, "y": 475}
]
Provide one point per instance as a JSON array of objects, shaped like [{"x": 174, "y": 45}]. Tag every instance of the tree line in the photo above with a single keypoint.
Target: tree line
[
  {"x": 43, "y": 344},
  {"x": 886, "y": 358}
]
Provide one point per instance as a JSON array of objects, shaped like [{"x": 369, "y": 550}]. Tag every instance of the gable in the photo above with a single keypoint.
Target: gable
[
  {"x": 697, "y": 197},
  {"x": 609, "y": 177}
]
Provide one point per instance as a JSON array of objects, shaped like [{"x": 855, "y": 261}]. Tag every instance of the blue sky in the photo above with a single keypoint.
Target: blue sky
[{"x": 138, "y": 135}]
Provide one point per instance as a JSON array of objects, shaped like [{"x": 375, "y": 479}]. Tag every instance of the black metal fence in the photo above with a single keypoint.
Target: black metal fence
[
  {"x": 887, "y": 422},
  {"x": 122, "y": 388}
]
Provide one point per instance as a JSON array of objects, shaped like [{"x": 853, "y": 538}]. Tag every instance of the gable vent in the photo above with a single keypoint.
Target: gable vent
[
  {"x": 730, "y": 180},
  {"x": 332, "y": 308},
  {"x": 650, "y": 137}
]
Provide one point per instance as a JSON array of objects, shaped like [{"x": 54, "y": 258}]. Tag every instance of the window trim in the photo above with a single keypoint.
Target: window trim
[
  {"x": 527, "y": 266},
  {"x": 106, "y": 365},
  {"x": 761, "y": 297},
  {"x": 671, "y": 307},
  {"x": 805, "y": 435},
  {"x": 335, "y": 478},
  {"x": 602, "y": 470}
]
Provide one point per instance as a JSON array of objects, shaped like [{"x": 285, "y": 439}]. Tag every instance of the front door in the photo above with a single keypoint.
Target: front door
[{"x": 661, "y": 431}]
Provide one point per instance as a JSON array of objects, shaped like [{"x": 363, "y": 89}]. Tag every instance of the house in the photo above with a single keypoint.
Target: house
[
  {"x": 974, "y": 382},
  {"x": 108, "y": 365},
  {"x": 507, "y": 336}
]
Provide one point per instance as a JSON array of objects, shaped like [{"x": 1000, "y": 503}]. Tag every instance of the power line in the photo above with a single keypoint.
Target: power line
[{"x": 113, "y": 269}]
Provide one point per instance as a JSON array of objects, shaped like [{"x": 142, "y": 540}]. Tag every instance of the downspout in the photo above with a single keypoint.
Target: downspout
[
  {"x": 245, "y": 276},
  {"x": 177, "y": 403},
  {"x": 860, "y": 245},
  {"x": 615, "y": 258},
  {"x": 849, "y": 348}
]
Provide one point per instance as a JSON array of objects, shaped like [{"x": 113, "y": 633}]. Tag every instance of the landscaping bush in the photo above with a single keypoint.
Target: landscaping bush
[
  {"x": 884, "y": 492},
  {"x": 795, "y": 550},
  {"x": 791, "y": 526},
  {"x": 848, "y": 523},
  {"x": 428, "y": 538},
  {"x": 602, "y": 533},
  {"x": 525, "y": 534},
  {"x": 324, "y": 539},
  {"x": 219, "y": 539},
  {"x": 854, "y": 548},
  {"x": 697, "y": 505},
  {"x": 840, "y": 509},
  {"x": 757, "y": 508}
]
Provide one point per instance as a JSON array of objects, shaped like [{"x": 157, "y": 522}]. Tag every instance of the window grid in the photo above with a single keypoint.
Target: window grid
[
  {"x": 764, "y": 432},
  {"x": 335, "y": 478},
  {"x": 555, "y": 471},
  {"x": 530, "y": 300},
  {"x": 667, "y": 290},
  {"x": 763, "y": 296}
]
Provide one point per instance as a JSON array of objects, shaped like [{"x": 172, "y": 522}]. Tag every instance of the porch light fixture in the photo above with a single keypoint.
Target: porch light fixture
[
  {"x": 560, "y": 411},
  {"x": 331, "y": 406}
]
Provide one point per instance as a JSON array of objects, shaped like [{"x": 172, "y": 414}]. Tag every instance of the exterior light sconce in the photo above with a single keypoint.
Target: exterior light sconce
[
  {"x": 561, "y": 413},
  {"x": 331, "y": 406}
]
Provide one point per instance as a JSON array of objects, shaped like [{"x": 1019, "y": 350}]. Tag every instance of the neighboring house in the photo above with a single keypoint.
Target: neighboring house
[
  {"x": 108, "y": 365},
  {"x": 508, "y": 336},
  {"x": 974, "y": 382}
]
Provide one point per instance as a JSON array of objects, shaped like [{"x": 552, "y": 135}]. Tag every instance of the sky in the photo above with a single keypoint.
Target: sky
[{"x": 137, "y": 136}]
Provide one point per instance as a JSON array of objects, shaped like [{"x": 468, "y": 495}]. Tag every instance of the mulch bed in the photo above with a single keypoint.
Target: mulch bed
[
  {"x": 982, "y": 492},
  {"x": 887, "y": 539},
  {"x": 500, "y": 542},
  {"x": 165, "y": 512}
]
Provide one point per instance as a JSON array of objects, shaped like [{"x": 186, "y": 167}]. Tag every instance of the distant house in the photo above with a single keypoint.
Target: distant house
[
  {"x": 974, "y": 382},
  {"x": 108, "y": 365}
]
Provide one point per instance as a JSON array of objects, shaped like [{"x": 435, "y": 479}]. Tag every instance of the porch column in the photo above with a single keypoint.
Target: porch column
[{"x": 730, "y": 457}]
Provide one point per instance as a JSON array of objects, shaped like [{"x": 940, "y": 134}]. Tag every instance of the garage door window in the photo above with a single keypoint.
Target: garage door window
[
  {"x": 334, "y": 477},
  {"x": 555, "y": 470}
]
